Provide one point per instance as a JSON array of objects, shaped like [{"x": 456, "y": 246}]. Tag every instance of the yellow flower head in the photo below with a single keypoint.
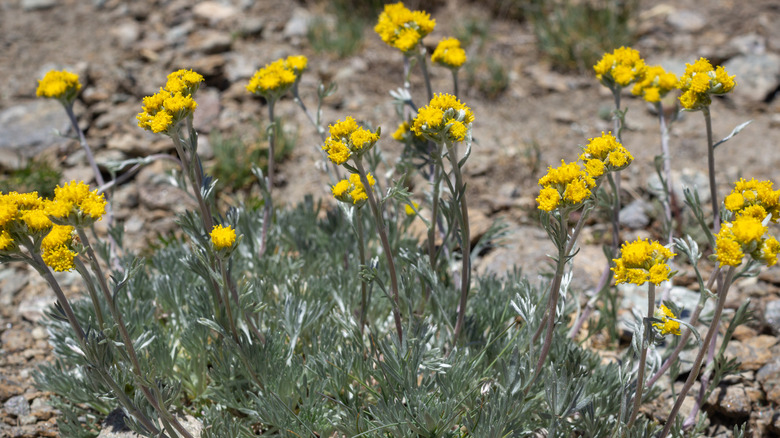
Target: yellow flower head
[
  {"x": 642, "y": 261},
  {"x": 59, "y": 235},
  {"x": 36, "y": 220},
  {"x": 347, "y": 138},
  {"x": 60, "y": 85},
  {"x": 403, "y": 29},
  {"x": 754, "y": 198},
  {"x": 352, "y": 190},
  {"x": 184, "y": 82},
  {"x": 449, "y": 54},
  {"x": 566, "y": 185},
  {"x": 60, "y": 258},
  {"x": 619, "y": 68},
  {"x": 23, "y": 212},
  {"x": 607, "y": 150},
  {"x": 445, "y": 119},
  {"x": 223, "y": 237},
  {"x": 172, "y": 104},
  {"x": 767, "y": 251},
  {"x": 667, "y": 324},
  {"x": 8, "y": 209},
  {"x": 400, "y": 133},
  {"x": 700, "y": 81},
  {"x": 746, "y": 235},
  {"x": 74, "y": 203},
  {"x": 654, "y": 83},
  {"x": 273, "y": 80},
  {"x": 6, "y": 241}
]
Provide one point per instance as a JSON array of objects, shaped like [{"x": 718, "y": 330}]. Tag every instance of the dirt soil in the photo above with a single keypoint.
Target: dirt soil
[{"x": 123, "y": 51}]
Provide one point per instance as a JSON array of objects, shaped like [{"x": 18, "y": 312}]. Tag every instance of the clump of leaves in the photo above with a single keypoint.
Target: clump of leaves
[
  {"x": 488, "y": 75},
  {"x": 234, "y": 156},
  {"x": 342, "y": 36},
  {"x": 313, "y": 372},
  {"x": 575, "y": 34}
]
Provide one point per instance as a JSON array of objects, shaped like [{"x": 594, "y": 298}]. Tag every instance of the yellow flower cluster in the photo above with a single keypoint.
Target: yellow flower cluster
[
  {"x": 403, "y": 29},
  {"x": 444, "y": 119},
  {"x": 60, "y": 85},
  {"x": 754, "y": 198},
  {"x": 75, "y": 204},
  {"x": 347, "y": 138},
  {"x": 654, "y": 83},
  {"x": 702, "y": 80},
  {"x": 570, "y": 184},
  {"x": 223, "y": 237},
  {"x": 642, "y": 261},
  {"x": 26, "y": 215},
  {"x": 621, "y": 67},
  {"x": 172, "y": 104},
  {"x": 21, "y": 214},
  {"x": 276, "y": 78},
  {"x": 56, "y": 248},
  {"x": 605, "y": 154},
  {"x": 352, "y": 190},
  {"x": 667, "y": 325},
  {"x": 449, "y": 54},
  {"x": 746, "y": 235}
]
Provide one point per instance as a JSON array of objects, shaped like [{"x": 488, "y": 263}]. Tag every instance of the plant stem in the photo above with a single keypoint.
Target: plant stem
[
  {"x": 424, "y": 67},
  {"x": 87, "y": 150},
  {"x": 640, "y": 377},
  {"x": 226, "y": 298},
  {"x": 711, "y": 169},
  {"x": 363, "y": 286},
  {"x": 455, "y": 81},
  {"x": 667, "y": 159},
  {"x": 113, "y": 245},
  {"x": 268, "y": 207},
  {"x": 552, "y": 303},
  {"x": 208, "y": 222},
  {"x": 82, "y": 270},
  {"x": 722, "y": 292},
  {"x": 382, "y": 230},
  {"x": 465, "y": 240}
]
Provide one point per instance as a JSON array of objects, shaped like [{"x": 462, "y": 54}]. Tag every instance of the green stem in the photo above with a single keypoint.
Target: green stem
[
  {"x": 82, "y": 270},
  {"x": 208, "y": 222},
  {"x": 640, "y": 377},
  {"x": 226, "y": 299},
  {"x": 424, "y": 67},
  {"x": 268, "y": 207},
  {"x": 552, "y": 304},
  {"x": 83, "y": 141},
  {"x": 722, "y": 292},
  {"x": 465, "y": 241},
  {"x": 711, "y": 169},
  {"x": 382, "y": 230},
  {"x": 363, "y": 284},
  {"x": 455, "y": 81}
]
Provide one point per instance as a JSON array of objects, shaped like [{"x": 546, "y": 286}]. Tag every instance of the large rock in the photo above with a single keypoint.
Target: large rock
[
  {"x": 758, "y": 76},
  {"x": 29, "y": 128}
]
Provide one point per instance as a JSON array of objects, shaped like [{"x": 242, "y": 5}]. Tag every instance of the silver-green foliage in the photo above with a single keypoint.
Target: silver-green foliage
[{"x": 311, "y": 372}]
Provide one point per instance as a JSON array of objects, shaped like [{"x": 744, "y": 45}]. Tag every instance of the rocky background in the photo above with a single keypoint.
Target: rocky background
[{"x": 123, "y": 50}]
